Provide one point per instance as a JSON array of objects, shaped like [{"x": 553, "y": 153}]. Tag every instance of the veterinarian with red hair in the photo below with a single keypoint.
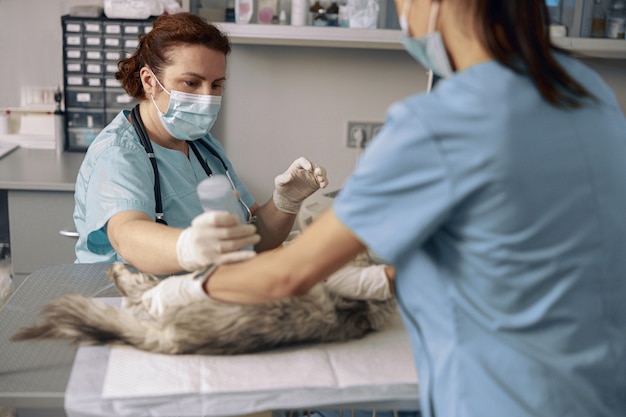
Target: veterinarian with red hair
[
  {"x": 500, "y": 197},
  {"x": 146, "y": 164}
]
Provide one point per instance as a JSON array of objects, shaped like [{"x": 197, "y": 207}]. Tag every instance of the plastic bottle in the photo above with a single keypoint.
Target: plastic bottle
[
  {"x": 344, "y": 14},
  {"x": 332, "y": 14},
  {"x": 243, "y": 11},
  {"x": 616, "y": 19},
  {"x": 320, "y": 18},
  {"x": 267, "y": 11},
  {"x": 216, "y": 193},
  {"x": 598, "y": 20},
  {"x": 229, "y": 13},
  {"x": 299, "y": 11}
]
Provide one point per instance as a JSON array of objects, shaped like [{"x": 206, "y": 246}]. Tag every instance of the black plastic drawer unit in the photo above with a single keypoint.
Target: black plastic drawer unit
[{"x": 92, "y": 48}]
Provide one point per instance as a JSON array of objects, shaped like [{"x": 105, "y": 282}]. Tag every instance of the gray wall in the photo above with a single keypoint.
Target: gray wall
[
  {"x": 280, "y": 102},
  {"x": 285, "y": 102}
]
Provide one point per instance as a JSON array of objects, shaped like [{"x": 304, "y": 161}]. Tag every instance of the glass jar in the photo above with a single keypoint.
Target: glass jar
[{"x": 616, "y": 19}]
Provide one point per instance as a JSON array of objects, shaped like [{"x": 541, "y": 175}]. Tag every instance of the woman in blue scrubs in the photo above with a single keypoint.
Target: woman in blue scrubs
[
  {"x": 177, "y": 74},
  {"x": 500, "y": 198}
]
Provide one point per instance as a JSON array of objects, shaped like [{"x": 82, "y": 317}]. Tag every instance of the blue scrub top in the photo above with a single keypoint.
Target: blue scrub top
[
  {"x": 116, "y": 175},
  {"x": 506, "y": 220}
]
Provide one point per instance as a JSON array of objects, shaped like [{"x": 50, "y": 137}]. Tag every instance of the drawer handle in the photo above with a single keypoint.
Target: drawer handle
[{"x": 69, "y": 232}]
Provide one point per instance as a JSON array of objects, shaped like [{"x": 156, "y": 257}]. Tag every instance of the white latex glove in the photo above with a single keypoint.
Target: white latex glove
[
  {"x": 364, "y": 283},
  {"x": 176, "y": 291},
  {"x": 301, "y": 179},
  {"x": 215, "y": 237}
]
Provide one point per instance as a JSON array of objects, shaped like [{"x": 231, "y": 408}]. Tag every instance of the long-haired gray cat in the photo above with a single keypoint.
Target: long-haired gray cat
[{"x": 208, "y": 326}]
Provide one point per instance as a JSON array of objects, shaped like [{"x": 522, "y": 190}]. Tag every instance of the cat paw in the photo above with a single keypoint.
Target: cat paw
[{"x": 130, "y": 284}]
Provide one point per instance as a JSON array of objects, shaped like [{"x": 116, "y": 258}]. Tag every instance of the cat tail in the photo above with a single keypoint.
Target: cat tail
[{"x": 82, "y": 320}]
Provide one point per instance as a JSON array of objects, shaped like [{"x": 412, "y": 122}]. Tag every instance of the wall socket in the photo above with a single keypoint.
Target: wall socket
[{"x": 361, "y": 132}]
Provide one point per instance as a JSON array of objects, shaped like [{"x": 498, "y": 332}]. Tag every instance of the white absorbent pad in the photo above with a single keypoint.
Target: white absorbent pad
[{"x": 375, "y": 371}]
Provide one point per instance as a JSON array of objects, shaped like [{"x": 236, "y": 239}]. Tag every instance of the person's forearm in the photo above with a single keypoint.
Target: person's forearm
[
  {"x": 267, "y": 277},
  {"x": 148, "y": 246},
  {"x": 273, "y": 225},
  {"x": 292, "y": 270}
]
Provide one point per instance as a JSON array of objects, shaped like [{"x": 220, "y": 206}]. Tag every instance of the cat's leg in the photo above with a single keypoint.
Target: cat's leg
[{"x": 131, "y": 284}]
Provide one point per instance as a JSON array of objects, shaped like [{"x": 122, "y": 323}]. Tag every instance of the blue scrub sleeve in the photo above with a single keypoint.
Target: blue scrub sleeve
[
  {"x": 399, "y": 193},
  {"x": 121, "y": 180}
]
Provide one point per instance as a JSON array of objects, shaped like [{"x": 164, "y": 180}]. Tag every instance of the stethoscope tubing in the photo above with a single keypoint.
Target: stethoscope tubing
[{"x": 145, "y": 141}]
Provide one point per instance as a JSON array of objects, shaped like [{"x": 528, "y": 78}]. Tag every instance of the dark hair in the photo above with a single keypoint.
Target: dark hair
[
  {"x": 168, "y": 32},
  {"x": 517, "y": 34}
]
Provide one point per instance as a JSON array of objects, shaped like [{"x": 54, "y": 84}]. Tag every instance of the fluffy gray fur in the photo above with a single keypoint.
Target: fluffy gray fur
[{"x": 208, "y": 326}]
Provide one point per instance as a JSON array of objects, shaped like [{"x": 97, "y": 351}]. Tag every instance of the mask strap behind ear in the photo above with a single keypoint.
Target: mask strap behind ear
[
  {"x": 432, "y": 23},
  {"x": 434, "y": 14},
  {"x": 158, "y": 82},
  {"x": 404, "y": 17},
  {"x": 406, "y": 8}
]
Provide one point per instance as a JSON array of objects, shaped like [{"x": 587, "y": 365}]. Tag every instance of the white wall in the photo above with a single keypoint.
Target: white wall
[
  {"x": 280, "y": 102},
  {"x": 31, "y": 45}
]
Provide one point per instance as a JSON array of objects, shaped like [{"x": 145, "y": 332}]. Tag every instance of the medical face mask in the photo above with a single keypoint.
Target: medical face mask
[
  {"x": 428, "y": 50},
  {"x": 188, "y": 116}
]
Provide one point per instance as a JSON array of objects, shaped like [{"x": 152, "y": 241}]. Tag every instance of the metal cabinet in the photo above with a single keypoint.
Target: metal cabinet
[
  {"x": 37, "y": 220},
  {"x": 92, "y": 48}
]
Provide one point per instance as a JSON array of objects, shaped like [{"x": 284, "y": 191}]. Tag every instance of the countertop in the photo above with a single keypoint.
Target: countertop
[{"x": 39, "y": 169}]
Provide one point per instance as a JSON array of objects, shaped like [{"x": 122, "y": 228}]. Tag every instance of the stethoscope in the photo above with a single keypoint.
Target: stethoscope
[{"x": 145, "y": 141}]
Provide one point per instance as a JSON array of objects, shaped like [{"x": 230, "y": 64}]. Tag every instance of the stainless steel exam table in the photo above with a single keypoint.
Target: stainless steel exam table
[{"x": 35, "y": 376}]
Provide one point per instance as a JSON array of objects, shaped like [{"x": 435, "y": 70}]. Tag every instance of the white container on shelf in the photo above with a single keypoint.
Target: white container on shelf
[
  {"x": 36, "y": 124},
  {"x": 299, "y": 10},
  {"x": 616, "y": 19},
  {"x": 243, "y": 11},
  {"x": 28, "y": 127},
  {"x": 267, "y": 10}
]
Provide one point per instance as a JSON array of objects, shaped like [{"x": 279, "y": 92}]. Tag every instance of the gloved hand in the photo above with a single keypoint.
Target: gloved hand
[
  {"x": 301, "y": 179},
  {"x": 364, "y": 283},
  {"x": 215, "y": 237},
  {"x": 176, "y": 291}
]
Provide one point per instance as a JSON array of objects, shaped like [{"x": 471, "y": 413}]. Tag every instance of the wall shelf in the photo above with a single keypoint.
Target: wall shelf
[
  {"x": 594, "y": 47},
  {"x": 256, "y": 34},
  {"x": 29, "y": 141},
  {"x": 338, "y": 37}
]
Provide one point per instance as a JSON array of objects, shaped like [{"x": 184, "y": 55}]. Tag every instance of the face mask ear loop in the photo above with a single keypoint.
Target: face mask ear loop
[
  {"x": 155, "y": 105},
  {"x": 404, "y": 17},
  {"x": 432, "y": 23},
  {"x": 152, "y": 95},
  {"x": 159, "y": 82},
  {"x": 434, "y": 14}
]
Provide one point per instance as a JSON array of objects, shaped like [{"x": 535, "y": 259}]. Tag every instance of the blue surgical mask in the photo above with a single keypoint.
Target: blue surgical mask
[
  {"x": 428, "y": 50},
  {"x": 189, "y": 116}
]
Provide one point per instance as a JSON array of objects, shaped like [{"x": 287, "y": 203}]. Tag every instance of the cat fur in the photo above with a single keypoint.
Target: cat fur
[{"x": 207, "y": 326}]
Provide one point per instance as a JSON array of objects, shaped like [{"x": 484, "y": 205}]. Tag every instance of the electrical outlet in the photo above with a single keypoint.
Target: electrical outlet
[
  {"x": 358, "y": 132},
  {"x": 361, "y": 132},
  {"x": 376, "y": 129}
]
